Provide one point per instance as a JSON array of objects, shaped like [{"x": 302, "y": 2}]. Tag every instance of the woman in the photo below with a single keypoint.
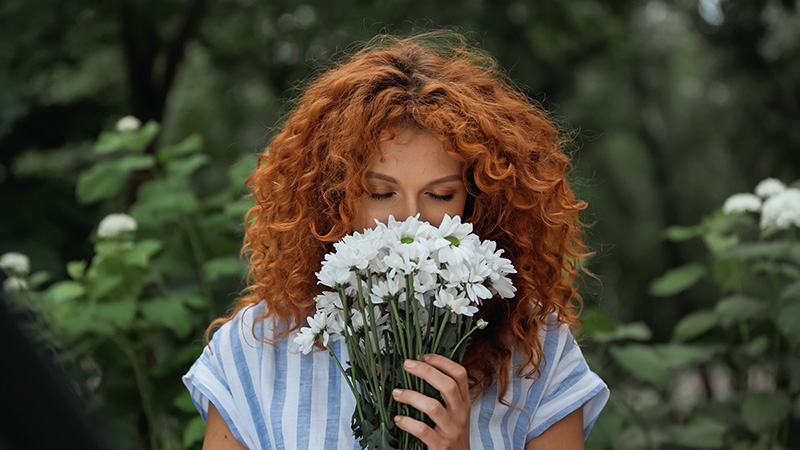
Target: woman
[{"x": 424, "y": 126}]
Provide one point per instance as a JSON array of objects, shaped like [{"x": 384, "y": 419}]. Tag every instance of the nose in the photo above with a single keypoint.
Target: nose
[{"x": 409, "y": 208}]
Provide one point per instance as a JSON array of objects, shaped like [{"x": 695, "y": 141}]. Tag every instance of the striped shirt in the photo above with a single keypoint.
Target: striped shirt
[{"x": 274, "y": 397}]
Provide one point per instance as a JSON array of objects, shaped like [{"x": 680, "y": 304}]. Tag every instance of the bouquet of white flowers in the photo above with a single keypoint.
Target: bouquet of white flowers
[{"x": 401, "y": 290}]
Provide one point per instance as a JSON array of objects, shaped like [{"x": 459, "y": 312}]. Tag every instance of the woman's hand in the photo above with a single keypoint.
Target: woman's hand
[{"x": 452, "y": 419}]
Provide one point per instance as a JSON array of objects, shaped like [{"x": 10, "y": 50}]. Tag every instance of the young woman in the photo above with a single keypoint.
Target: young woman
[{"x": 424, "y": 126}]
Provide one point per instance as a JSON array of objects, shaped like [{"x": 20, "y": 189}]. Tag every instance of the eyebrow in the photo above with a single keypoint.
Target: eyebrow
[{"x": 383, "y": 177}]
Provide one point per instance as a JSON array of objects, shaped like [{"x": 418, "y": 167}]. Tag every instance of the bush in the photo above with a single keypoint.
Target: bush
[
  {"x": 131, "y": 319},
  {"x": 730, "y": 376}
]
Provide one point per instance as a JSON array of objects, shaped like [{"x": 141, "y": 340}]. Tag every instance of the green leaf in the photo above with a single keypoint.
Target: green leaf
[
  {"x": 677, "y": 355},
  {"x": 791, "y": 292},
  {"x": 76, "y": 269},
  {"x": 160, "y": 202},
  {"x": 677, "y": 280},
  {"x": 736, "y": 309},
  {"x": 142, "y": 252},
  {"x": 134, "y": 141},
  {"x": 194, "y": 432},
  {"x": 64, "y": 291},
  {"x": 767, "y": 250},
  {"x": 168, "y": 313},
  {"x": 595, "y": 320},
  {"x": 101, "y": 283},
  {"x": 694, "y": 325},
  {"x": 764, "y": 411},
  {"x": 82, "y": 320},
  {"x": 187, "y": 146},
  {"x": 754, "y": 348},
  {"x": 119, "y": 313},
  {"x": 680, "y": 234},
  {"x": 219, "y": 267},
  {"x": 701, "y": 433},
  {"x": 184, "y": 167},
  {"x": 788, "y": 320},
  {"x": 184, "y": 402},
  {"x": 37, "y": 279},
  {"x": 106, "y": 179},
  {"x": 636, "y": 331},
  {"x": 102, "y": 181},
  {"x": 718, "y": 243},
  {"x": 644, "y": 363}
]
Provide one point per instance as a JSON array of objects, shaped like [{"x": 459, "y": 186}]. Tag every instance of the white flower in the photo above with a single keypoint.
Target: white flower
[
  {"x": 741, "y": 203},
  {"x": 328, "y": 301},
  {"x": 15, "y": 284},
  {"x": 15, "y": 263},
  {"x": 456, "y": 303},
  {"x": 481, "y": 324},
  {"x": 769, "y": 187},
  {"x": 320, "y": 327},
  {"x": 453, "y": 228},
  {"x": 128, "y": 123},
  {"x": 305, "y": 340},
  {"x": 782, "y": 210},
  {"x": 114, "y": 225},
  {"x": 386, "y": 289}
]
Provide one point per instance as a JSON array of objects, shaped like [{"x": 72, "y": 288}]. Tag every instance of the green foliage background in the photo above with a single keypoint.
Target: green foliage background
[{"x": 673, "y": 106}]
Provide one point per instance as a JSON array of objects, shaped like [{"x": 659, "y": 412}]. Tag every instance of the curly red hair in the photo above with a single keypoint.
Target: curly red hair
[{"x": 308, "y": 182}]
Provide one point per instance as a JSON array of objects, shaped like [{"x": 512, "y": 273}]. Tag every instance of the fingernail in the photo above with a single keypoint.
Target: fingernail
[
  {"x": 397, "y": 392},
  {"x": 410, "y": 364}
]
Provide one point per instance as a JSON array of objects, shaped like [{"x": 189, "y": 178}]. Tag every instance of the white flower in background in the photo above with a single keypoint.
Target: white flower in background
[
  {"x": 128, "y": 123},
  {"x": 769, "y": 187},
  {"x": 15, "y": 263},
  {"x": 15, "y": 284},
  {"x": 741, "y": 203},
  {"x": 782, "y": 210},
  {"x": 114, "y": 225}
]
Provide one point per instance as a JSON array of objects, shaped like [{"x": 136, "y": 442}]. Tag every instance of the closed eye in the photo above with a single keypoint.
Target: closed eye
[
  {"x": 442, "y": 198},
  {"x": 385, "y": 196}
]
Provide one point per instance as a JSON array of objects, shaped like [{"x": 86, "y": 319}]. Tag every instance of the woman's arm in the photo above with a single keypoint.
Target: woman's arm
[
  {"x": 218, "y": 435},
  {"x": 566, "y": 434}
]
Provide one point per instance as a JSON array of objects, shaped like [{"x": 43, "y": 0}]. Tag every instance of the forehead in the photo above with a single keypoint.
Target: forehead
[{"x": 414, "y": 149}]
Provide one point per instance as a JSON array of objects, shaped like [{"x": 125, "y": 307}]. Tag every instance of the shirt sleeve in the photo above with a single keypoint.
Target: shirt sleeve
[
  {"x": 223, "y": 375},
  {"x": 569, "y": 384}
]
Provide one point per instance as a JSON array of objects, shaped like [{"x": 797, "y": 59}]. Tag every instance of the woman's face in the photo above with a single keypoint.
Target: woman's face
[{"x": 416, "y": 176}]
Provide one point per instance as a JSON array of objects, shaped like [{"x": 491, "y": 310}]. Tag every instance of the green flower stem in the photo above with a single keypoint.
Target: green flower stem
[
  {"x": 349, "y": 382},
  {"x": 467, "y": 335},
  {"x": 376, "y": 395},
  {"x": 441, "y": 330},
  {"x": 403, "y": 348}
]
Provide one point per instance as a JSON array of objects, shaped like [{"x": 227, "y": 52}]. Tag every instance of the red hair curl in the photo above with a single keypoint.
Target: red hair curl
[{"x": 308, "y": 182}]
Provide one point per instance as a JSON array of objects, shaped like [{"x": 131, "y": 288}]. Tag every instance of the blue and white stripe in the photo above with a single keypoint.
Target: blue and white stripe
[{"x": 274, "y": 397}]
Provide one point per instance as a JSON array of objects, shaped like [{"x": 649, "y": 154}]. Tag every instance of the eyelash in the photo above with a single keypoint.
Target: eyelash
[{"x": 441, "y": 198}]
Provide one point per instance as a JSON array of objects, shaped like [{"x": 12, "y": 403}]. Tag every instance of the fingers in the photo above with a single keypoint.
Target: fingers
[
  {"x": 452, "y": 369},
  {"x": 426, "y": 434},
  {"x": 446, "y": 376}
]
